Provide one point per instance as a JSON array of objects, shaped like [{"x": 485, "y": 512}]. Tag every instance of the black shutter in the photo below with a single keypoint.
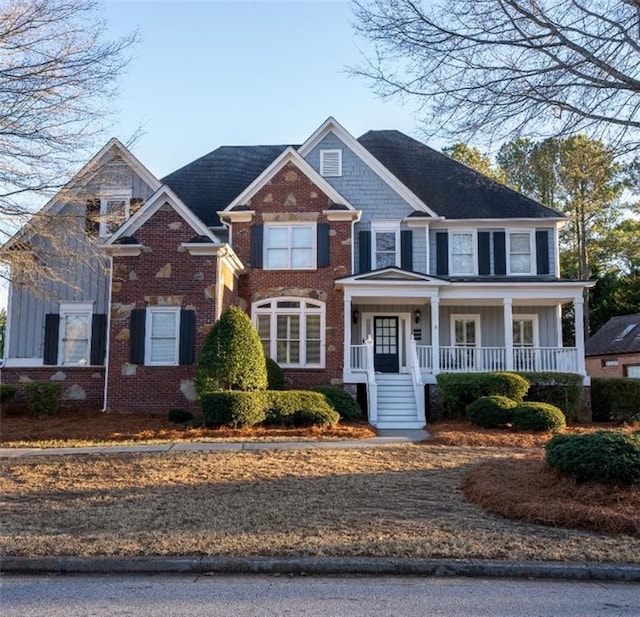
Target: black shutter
[
  {"x": 257, "y": 244},
  {"x": 442, "y": 253},
  {"x": 137, "y": 327},
  {"x": 187, "y": 345},
  {"x": 51, "y": 332},
  {"x": 364, "y": 239},
  {"x": 92, "y": 218},
  {"x": 323, "y": 245},
  {"x": 542, "y": 251},
  {"x": 499, "y": 252},
  {"x": 484, "y": 252},
  {"x": 406, "y": 249},
  {"x": 98, "y": 339}
]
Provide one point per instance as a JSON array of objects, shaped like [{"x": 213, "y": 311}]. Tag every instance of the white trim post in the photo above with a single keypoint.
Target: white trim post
[
  {"x": 508, "y": 332},
  {"x": 578, "y": 321},
  {"x": 435, "y": 334},
  {"x": 347, "y": 368}
]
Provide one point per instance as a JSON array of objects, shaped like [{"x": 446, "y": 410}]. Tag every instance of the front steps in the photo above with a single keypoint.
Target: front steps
[{"x": 396, "y": 402}]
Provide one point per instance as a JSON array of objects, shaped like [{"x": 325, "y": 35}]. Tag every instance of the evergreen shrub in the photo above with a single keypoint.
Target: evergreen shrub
[
  {"x": 615, "y": 399},
  {"x": 341, "y": 401},
  {"x": 491, "y": 411},
  {"x": 564, "y": 390},
  {"x": 538, "y": 417},
  {"x": 42, "y": 397}
]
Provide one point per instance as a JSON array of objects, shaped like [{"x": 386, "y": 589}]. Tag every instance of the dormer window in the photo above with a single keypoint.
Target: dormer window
[
  {"x": 114, "y": 211},
  {"x": 330, "y": 163}
]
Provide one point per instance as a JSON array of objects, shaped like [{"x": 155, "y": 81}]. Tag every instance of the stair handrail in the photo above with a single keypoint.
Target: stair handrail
[
  {"x": 416, "y": 375},
  {"x": 372, "y": 386}
]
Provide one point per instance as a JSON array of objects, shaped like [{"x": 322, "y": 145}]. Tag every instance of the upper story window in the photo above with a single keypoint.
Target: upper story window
[
  {"x": 290, "y": 246},
  {"x": 462, "y": 253},
  {"x": 162, "y": 331},
  {"x": 521, "y": 258},
  {"x": 292, "y": 331},
  {"x": 74, "y": 346},
  {"x": 114, "y": 211},
  {"x": 385, "y": 250},
  {"x": 330, "y": 163}
]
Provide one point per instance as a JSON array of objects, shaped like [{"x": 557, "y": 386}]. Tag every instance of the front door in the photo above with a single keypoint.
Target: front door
[{"x": 385, "y": 344}]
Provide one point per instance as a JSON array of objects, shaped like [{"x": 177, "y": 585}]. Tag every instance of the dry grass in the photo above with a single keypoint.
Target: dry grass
[
  {"x": 528, "y": 489},
  {"x": 397, "y": 501},
  {"x": 81, "y": 427}
]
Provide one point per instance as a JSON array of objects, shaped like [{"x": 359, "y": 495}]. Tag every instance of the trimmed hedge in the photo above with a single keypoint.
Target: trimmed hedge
[
  {"x": 564, "y": 390},
  {"x": 341, "y": 401},
  {"x": 42, "y": 397},
  {"x": 178, "y": 415},
  {"x": 7, "y": 392},
  {"x": 615, "y": 399},
  {"x": 491, "y": 411},
  {"x": 606, "y": 456},
  {"x": 239, "y": 409},
  {"x": 538, "y": 417},
  {"x": 275, "y": 376},
  {"x": 457, "y": 390}
]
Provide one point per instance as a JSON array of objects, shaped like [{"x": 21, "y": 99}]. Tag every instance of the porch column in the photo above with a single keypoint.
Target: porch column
[
  {"x": 508, "y": 333},
  {"x": 578, "y": 322},
  {"x": 346, "y": 331},
  {"x": 435, "y": 335},
  {"x": 559, "y": 340}
]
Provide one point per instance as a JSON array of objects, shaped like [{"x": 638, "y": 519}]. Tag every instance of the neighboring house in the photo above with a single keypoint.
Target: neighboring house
[
  {"x": 374, "y": 262},
  {"x": 614, "y": 350}
]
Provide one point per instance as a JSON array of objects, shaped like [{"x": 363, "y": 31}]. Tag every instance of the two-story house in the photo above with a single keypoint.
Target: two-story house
[{"x": 375, "y": 263}]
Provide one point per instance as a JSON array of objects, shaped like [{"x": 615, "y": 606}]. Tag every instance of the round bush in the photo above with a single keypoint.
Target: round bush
[
  {"x": 233, "y": 409},
  {"x": 605, "y": 456},
  {"x": 491, "y": 411},
  {"x": 275, "y": 376},
  {"x": 179, "y": 416},
  {"x": 341, "y": 401},
  {"x": 538, "y": 417},
  {"x": 315, "y": 417}
]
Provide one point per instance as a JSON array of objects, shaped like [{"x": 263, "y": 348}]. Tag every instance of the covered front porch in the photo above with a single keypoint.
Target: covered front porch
[{"x": 405, "y": 328}]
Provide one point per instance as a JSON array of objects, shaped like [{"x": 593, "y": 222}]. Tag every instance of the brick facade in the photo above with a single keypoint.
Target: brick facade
[
  {"x": 164, "y": 274},
  {"x": 290, "y": 196},
  {"x": 80, "y": 385},
  {"x": 596, "y": 367}
]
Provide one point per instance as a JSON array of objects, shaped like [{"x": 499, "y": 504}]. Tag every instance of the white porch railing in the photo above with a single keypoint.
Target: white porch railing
[
  {"x": 476, "y": 359},
  {"x": 372, "y": 386}
]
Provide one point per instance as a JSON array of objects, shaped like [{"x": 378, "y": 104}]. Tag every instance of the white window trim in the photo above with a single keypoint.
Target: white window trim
[
  {"x": 147, "y": 342},
  {"x": 112, "y": 195},
  {"x": 382, "y": 227},
  {"x": 467, "y": 316},
  {"x": 273, "y": 311},
  {"x": 289, "y": 226},
  {"x": 323, "y": 171},
  {"x": 474, "y": 250},
  {"x": 74, "y": 308},
  {"x": 536, "y": 328},
  {"x": 532, "y": 246}
]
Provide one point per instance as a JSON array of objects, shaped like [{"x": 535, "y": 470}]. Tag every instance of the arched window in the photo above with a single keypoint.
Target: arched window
[{"x": 292, "y": 331}]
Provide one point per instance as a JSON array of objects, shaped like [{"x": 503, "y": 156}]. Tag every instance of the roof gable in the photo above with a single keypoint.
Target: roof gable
[{"x": 619, "y": 335}]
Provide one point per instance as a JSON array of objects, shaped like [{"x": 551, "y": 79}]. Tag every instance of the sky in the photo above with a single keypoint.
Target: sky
[{"x": 212, "y": 73}]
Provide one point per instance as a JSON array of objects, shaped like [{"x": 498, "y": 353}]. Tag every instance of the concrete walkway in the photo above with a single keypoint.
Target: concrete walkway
[{"x": 384, "y": 438}]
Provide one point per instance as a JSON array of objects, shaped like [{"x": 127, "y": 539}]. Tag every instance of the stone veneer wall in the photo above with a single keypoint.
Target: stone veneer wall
[
  {"x": 80, "y": 386},
  {"x": 291, "y": 196},
  {"x": 163, "y": 275}
]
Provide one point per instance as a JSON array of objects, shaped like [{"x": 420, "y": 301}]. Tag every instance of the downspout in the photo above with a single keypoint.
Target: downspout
[{"x": 106, "y": 357}]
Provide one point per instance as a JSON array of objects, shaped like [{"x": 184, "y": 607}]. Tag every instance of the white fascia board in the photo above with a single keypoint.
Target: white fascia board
[
  {"x": 503, "y": 222},
  {"x": 331, "y": 125},
  {"x": 55, "y": 204},
  {"x": 163, "y": 195},
  {"x": 343, "y": 215},
  {"x": 290, "y": 155},
  {"x": 124, "y": 250},
  {"x": 237, "y": 216},
  {"x": 23, "y": 362}
]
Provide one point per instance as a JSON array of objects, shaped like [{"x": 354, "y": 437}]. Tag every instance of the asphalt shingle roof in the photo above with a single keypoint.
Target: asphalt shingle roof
[
  {"x": 610, "y": 340},
  {"x": 448, "y": 187},
  {"x": 213, "y": 181}
]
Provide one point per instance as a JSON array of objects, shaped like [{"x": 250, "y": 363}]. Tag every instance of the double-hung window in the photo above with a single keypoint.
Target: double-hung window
[
  {"x": 162, "y": 333},
  {"x": 290, "y": 246},
  {"x": 114, "y": 211},
  {"x": 385, "y": 238},
  {"x": 525, "y": 340},
  {"x": 74, "y": 346},
  {"x": 292, "y": 331},
  {"x": 521, "y": 257},
  {"x": 463, "y": 256}
]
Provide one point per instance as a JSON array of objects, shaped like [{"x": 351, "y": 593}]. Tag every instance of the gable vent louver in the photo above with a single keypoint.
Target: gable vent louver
[{"x": 330, "y": 163}]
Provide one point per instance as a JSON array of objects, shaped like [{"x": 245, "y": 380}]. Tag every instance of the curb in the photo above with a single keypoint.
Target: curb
[{"x": 321, "y": 566}]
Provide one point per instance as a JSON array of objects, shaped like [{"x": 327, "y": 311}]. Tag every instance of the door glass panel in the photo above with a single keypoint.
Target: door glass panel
[{"x": 386, "y": 336}]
